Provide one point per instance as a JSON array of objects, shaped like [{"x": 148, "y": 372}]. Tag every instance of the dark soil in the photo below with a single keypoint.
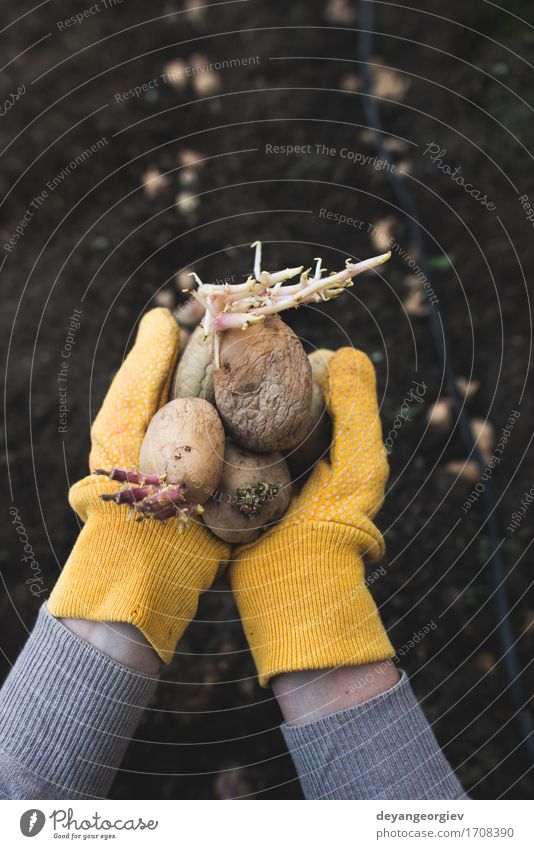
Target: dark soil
[{"x": 97, "y": 243}]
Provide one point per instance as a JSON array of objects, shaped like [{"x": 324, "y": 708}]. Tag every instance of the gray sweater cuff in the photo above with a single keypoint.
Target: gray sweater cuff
[
  {"x": 381, "y": 749},
  {"x": 67, "y": 713}
]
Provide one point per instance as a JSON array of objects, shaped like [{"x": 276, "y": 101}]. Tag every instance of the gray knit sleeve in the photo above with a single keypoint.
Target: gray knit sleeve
[
  {"x": 67, "y": 713},
  {"x": 381, "y": 749}
]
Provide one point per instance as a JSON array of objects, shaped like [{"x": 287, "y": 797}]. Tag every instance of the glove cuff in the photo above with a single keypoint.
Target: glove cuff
[
  {"x": 304, "y": 603},
  {"x": 144, "y": 573}
]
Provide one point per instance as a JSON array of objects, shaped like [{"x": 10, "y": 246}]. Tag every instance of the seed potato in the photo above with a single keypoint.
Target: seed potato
[
  {"x": 254, "y": 492},
  {"x": 193, "y": 377},
  {"x": 263, "y": 387},
  {"x": 316, "y": 437},
  {"x": 185, "y": 441}
]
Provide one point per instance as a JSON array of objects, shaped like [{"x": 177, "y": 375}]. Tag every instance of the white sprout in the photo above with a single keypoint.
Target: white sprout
[{"x": 242, "y": 304}]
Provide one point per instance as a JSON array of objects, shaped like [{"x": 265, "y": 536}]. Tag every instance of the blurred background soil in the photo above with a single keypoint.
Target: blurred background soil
[{"x": 114, "y": 234}]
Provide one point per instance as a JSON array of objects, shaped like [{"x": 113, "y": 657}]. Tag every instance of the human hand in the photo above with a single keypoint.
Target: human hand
[
  {"x": 301, "y": 588},
  {"x": 144, "y": 573}
]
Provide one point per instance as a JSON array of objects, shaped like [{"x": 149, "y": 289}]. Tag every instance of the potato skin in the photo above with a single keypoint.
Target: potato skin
[
  {"x": 320, "y": 363},
  {"x": 316, "y": 436},
  {"x": 243, "y": 468},
  {"x": 193, "y": 377},
  {"x": 263, "y": 388},
  {"x": 185, "y": 441},
  {"x": 316, "y": 440}
]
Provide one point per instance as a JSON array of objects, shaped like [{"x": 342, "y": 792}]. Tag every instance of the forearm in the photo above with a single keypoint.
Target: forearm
[
  {"x": 358, "y": 734},
  {"x": 122, "y": 642},
  {"x": 67, "y": 713},
  {"x": 306, "y": 696}
]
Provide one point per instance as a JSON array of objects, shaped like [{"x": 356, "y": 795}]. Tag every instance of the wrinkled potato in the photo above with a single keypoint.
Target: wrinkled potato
[
  {"x": 253, "y": 493},
  {"x": 193, "y": 377},
  {"x": 263, "y": 387},
  {"x": 185, "y": 442}
]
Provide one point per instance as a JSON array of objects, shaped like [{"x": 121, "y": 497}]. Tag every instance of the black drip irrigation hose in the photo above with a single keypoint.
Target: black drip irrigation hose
[{"x": 505, "y": 634}]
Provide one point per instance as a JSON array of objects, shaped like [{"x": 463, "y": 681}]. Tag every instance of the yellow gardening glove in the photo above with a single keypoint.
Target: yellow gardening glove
[
  {"x": 145, "y": 573},
  {"x": 300, "y": 588}
]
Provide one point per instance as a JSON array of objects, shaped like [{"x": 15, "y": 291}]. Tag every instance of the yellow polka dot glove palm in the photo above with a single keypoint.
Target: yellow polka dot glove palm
[
  {"x": 145, "y": 573},
  {"x": 300, "y": 588}
]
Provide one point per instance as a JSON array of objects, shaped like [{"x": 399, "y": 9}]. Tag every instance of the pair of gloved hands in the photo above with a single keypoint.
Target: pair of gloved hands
[{"x": 300, "y": 588}]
